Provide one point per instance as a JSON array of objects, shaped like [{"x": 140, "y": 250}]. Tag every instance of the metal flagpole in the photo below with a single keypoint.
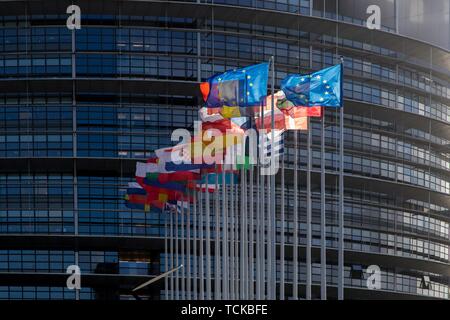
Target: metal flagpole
[
  {"x": 242, "y": 235},
  {"x": 268, "y": 224},
  {"x": 258, "y": 224},
  {"x": 341, "y": 209},
  {"x": 188, "y": 261},
  {"x": 341, "y": 176},
  {"x": 236, "y": 243},
  {"x": 232, "y": 226},
  {"x": 195, "y": 253},
  {"x": 166, "y": 258},
  {"x": 201, "y": 255},
  {"x": 308, "y": 213},
  {"x": 251, "y": 238},
  {"x": 217, "y": 294},
  {"x": 172, "y": 288},
  {"x": 267, "y": 228},
  {"x": 245, "y": 232},
  {"x": 272, "y": 218},
  {"x": 183, "y": 254},
  {"x": 282, "y": 218},
  {"x": 295, "y": 220},
  {"x": 323, "y": 226},
  {"x": 208, "y": 243},
  {"x": 225, "y": 271},
  {"x": 262, "y": 215},
  {"x": 177, "y": 257}
]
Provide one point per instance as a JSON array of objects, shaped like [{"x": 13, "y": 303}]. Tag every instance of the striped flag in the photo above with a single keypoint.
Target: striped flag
[{"x": 277, "y": 145}]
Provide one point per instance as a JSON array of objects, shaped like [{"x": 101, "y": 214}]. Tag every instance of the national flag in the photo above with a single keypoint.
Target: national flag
[
  {"x": 166, "y": 186},
  {"x": 283, "y": 104},
  {"x": 171, "y": 166},
  {"x": 208, "y": 182},
  {"x": 137, "y": 201},
  {"x": 181, "y": 153},
  {"x": 284, "y": 120},
  {"x": 135, "y": 188},
  {"x": 269, "y": 146},
  {"x": 177, "y": 207},
  {"x": 313, "y": 112},
  {"x": 321, "y": 88},
  {"x": 178, "y": 176}
]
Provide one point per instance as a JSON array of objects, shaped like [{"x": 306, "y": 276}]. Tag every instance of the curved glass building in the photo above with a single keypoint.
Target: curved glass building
[{"x": 79, "y": 108}]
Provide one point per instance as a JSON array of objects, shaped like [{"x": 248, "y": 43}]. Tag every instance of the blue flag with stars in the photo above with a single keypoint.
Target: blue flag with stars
[
  {"x": 245, "y": 87},
  {"x": 322, "y": 88}
]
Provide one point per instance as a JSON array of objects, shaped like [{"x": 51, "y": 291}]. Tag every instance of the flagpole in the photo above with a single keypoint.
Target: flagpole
[
  {"x": 202, "y": 261},
  {"x": 267, "y": 245},
  {"x": 323, "y": 231},
  {"x": 308, "y": 214},
  {"x": 225, "y": 272},
  {"x": 269, "y": 232},
  {"x": 183, "y": 254},
  {"x": 232, "y": 226},
  {"x": 245, "y": 232},
  {"x": 282, "y": 240},
  {"x": 236, "y": 244},
  {"x": 242, "y": 242},
  {"x": 208, "y": 243},
  {"x": 177, "y": 257},
  {"x": 172, "y": 291},
  {"x": 217, "y": 292},
  {"x": 258, "y": 223},
  {"x": 188, "y": 262},
  {"x": 273, "y": 195},
  {"x": 341, "y": 200},
  {"x": 166, "y": 253},
  {"x": 262, "y": 215},
  {"x": 195, "y": 260},
  {"x": 251, "y": 238},
  {"x": 295, "y": 218}
]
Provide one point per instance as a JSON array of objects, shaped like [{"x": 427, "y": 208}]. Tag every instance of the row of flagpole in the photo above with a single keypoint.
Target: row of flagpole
[{"x": 245, "y": 250}]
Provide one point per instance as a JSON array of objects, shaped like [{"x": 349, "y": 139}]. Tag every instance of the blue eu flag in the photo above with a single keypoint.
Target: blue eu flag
[
  {"x": 322, "y": 88},
  {"x": 244, "y": 87}
]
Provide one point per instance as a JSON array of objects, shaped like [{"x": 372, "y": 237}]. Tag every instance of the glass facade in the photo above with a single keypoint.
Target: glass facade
[{"x": 79, "y": 108}]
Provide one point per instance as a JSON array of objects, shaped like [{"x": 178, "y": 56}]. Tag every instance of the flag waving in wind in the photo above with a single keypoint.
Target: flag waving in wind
[
  {"x": 245, "y": 87},
  {"x": 321, "y": 88}
]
